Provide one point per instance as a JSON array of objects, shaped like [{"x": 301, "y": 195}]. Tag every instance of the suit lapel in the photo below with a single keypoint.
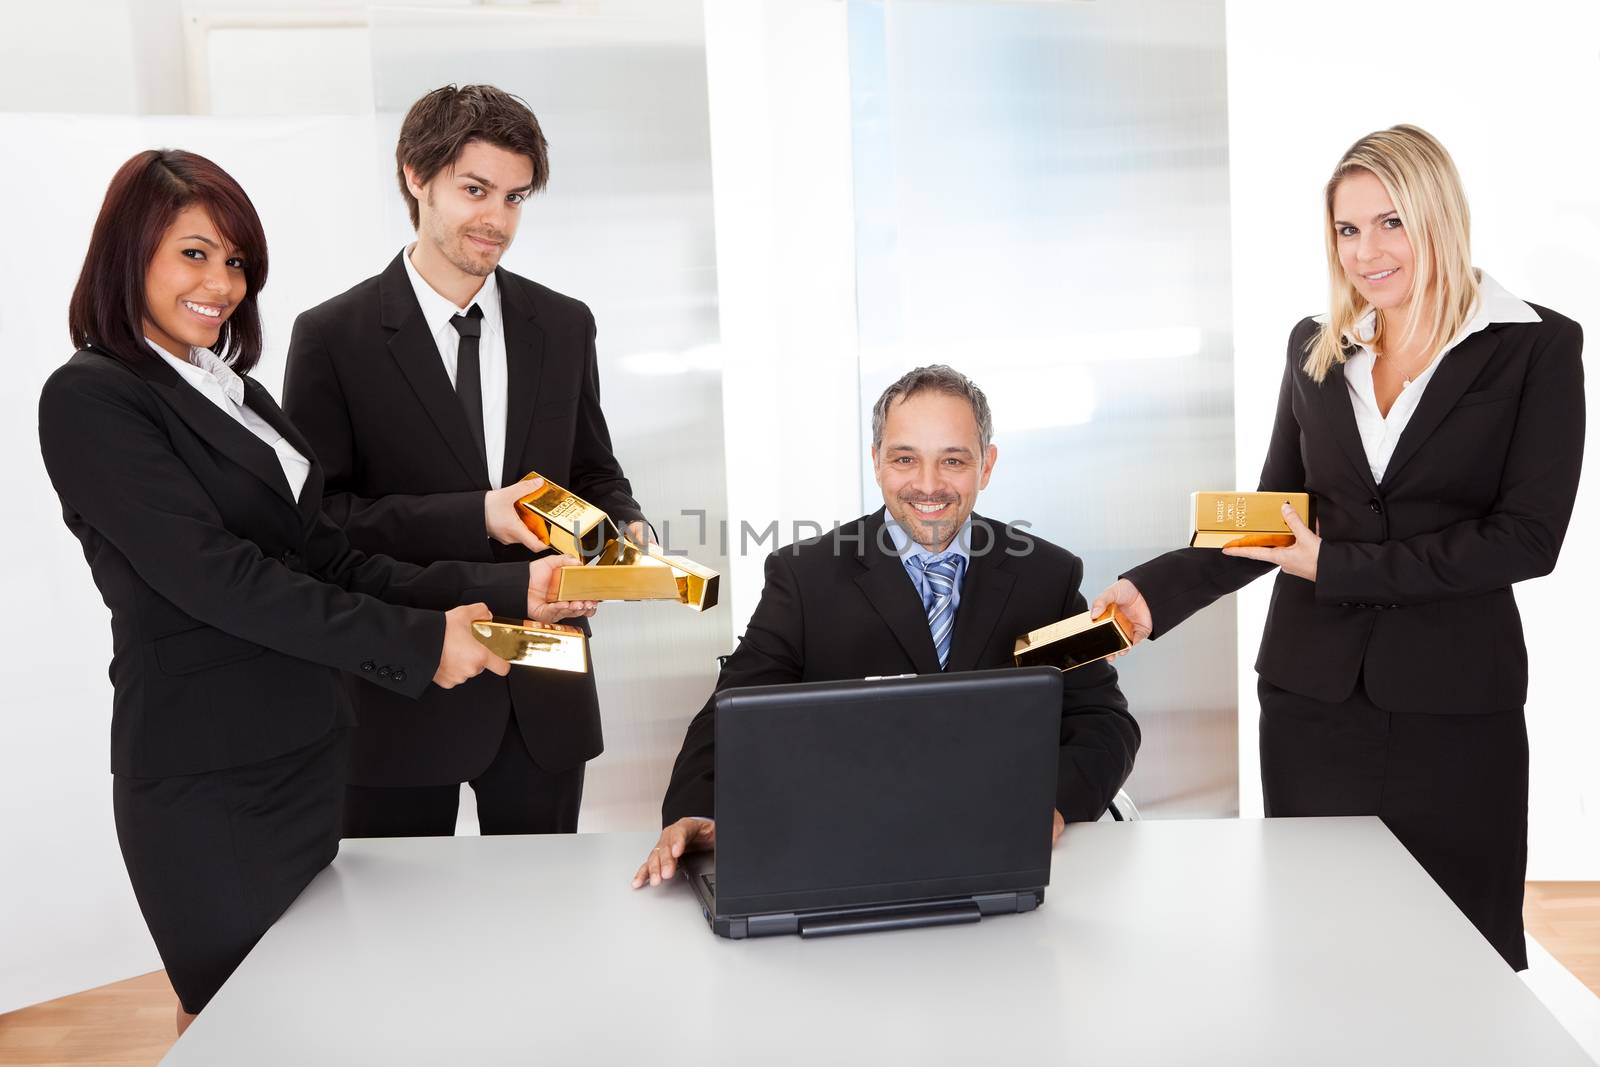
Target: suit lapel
[
  {"x": 214, "y": 425},
  {"x": 1334, "y": 397},
  {"x": 524, "y": 366},
  {"x": 260, "y": 401},
  {"x": 1457, "y": 369},
  {"x": 984, "y": 593},
  {"x": 414, "y": 349},
  {"x": 888, "y": 588}
]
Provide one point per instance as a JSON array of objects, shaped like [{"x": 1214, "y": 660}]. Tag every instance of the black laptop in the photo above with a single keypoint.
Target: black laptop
[{"x": 845, "y": 807}]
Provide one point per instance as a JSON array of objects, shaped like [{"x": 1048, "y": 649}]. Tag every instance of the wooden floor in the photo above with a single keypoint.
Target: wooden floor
[
  {"x": 130, "y": 1024},
  {"x": 125, "y": 1024},
  {"x": 1564, "y": 917}
]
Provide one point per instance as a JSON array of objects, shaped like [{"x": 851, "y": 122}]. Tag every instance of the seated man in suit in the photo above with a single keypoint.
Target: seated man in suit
[{"x": 922, "y": 586}]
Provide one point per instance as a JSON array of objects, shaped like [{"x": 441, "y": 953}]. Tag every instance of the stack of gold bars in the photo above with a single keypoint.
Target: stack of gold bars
[
  {"x": 1217, "y": 520},
  {"x": 612, "y": 568}
]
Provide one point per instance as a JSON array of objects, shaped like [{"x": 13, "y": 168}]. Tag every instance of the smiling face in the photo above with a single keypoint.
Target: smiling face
[
  {"x": 194, "y": 282},
  {"x": 1371, "y": 240},
  {"x": 931, "y": 465},
  {"x": 467, "y": 214}
]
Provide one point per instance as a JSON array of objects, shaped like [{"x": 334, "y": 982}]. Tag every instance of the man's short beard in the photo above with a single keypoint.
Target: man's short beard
[{"x": 465, "y": 265}]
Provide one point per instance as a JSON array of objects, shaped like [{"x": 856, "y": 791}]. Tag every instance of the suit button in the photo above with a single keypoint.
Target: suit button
[
  {"x": 384, "y": 671},
  {"x": 1344, "y": 603},
  {"x": 1376, "y": 505},
  {"x": 369, "y": 666},
  {"x": 399, "y": 676}
]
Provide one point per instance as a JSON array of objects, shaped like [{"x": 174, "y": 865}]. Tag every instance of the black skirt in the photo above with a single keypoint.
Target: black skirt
[
  {"x": 215, "y": 858},
  {"x": 1452, "y": 788}
]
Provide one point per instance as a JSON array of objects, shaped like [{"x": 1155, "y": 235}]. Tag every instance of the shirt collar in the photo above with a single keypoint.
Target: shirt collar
[
  {"x": 1495, "y": 304},
  {"x": 905, "y": 547},
  {"x": 438, "y": 310},
  {"x": 202, "y": 365}
]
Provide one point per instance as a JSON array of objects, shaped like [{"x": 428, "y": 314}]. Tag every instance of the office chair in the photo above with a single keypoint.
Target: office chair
[{"x": 1121, "y": 809}]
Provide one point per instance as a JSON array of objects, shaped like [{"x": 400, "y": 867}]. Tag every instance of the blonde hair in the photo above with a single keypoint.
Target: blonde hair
[{"x": 1421, "y": 180}]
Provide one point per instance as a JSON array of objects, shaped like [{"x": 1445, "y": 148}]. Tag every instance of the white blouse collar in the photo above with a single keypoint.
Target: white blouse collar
[
  {"x": 1495, "y": 304},
  {"x": 204, "y": 364}
]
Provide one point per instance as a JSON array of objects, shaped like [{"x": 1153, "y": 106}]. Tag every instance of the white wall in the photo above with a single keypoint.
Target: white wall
[
  {"x": 70, "y": 57},
  {"x": 779, "y": 81},
  {"x": 1513, "y": 92}
]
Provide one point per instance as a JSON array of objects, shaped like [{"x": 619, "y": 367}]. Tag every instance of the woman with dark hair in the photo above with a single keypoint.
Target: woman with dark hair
[{"x": 235, "y": 602}]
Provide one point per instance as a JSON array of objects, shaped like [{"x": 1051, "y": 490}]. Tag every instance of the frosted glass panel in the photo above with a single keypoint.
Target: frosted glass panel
[{"x": 1042, "y": 202}]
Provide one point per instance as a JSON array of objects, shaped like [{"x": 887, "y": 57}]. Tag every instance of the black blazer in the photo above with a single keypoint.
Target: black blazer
[
  {"x": 366, "y": 385},
  {"x": 1414, "y": 577},
  {"x": 843, "y": 606},
  {"x": 234, "y": 607}
]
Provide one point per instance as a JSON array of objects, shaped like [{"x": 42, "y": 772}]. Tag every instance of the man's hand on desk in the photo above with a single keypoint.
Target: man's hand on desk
[{"x": 685, "y": 835}]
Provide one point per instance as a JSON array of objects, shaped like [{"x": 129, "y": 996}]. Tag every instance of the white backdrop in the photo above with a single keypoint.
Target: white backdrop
[
  {"x": 779, "y": 76},
  {"x": 1513, "y": 92}
]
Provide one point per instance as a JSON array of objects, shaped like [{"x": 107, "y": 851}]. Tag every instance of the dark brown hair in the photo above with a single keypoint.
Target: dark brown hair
[
  {"x": 108, "y": 306},
  {"x": 446, "y": 120},
  {"x": 936, "y": 378}
]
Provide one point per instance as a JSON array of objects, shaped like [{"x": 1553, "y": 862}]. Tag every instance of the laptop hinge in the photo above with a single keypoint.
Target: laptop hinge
[
  {"x": 1008, "y": 903},
  {"x": 966, "y": 911},
  {"x": 776, "y": 923}
]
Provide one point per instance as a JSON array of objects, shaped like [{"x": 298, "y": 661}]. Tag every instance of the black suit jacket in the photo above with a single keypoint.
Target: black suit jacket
[
  {"x": 234, "y": 606},
  {"x": 843, "y": 606},
  {"x": 1414, "y": 577},
  {"x": 366, "y": 385}
]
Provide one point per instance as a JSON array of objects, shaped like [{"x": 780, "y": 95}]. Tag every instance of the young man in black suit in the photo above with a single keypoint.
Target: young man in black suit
[
  {"x": 922, "y": 586},
  {"x": 427, "y": 392}
]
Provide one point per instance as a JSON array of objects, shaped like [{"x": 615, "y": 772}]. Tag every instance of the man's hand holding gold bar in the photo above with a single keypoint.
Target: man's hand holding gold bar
[{"x": 1075, "y": 642}]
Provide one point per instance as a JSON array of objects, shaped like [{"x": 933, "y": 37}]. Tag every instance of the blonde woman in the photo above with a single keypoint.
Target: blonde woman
[{"x": 1439, "y": 421}]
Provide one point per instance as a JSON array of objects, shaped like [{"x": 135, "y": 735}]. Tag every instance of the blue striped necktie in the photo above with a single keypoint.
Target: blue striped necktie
[{"x": 938, "y": 598}]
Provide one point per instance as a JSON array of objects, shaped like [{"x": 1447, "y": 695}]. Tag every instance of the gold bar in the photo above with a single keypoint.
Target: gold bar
[
  {"x": 626, "y": 571},
  {"x": 566, "y": 522},
  {"x": 618, "y": 581},
  {"x": 1075, "y": 642},
  {"x": 1236, "y": 520},
  {"x": 697, "y": 585},
  {"x": 525, "y": 643}
]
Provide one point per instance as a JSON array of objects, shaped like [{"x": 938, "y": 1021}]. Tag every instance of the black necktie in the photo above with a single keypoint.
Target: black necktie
[{"x": 469, "y": 382}]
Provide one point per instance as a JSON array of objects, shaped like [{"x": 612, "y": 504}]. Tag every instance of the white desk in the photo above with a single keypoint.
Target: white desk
[{"x": 1287, "y": 942}]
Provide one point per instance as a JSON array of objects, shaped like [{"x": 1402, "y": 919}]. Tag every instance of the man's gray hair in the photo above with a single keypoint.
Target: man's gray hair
[{"x": 937, "y": 378}]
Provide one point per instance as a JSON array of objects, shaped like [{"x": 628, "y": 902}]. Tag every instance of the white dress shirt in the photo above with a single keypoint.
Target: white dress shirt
[
  {"x": 1380, "y": 433},
  {"x": 217, "y": 382},
  {"x": 492, "y": 375}
]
